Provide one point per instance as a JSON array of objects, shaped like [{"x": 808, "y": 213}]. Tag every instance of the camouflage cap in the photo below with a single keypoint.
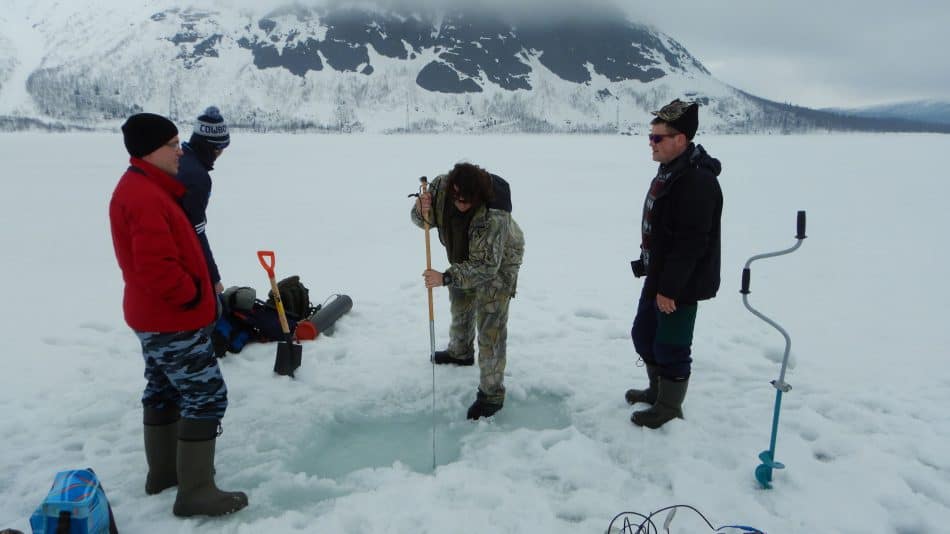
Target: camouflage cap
[{"x": 683, "y": 116}]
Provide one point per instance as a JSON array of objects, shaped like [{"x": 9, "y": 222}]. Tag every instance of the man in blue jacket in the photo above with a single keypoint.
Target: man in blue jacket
[
  {"x": 680, "y": 257},
  {"x": 208, "y": 141}
]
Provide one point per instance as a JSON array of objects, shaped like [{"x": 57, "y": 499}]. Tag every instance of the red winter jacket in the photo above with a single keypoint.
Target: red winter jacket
[{"x": 167, "y": 285}]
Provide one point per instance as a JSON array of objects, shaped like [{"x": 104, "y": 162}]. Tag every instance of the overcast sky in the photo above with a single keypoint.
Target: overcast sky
[{"x": 814, "y": 53}]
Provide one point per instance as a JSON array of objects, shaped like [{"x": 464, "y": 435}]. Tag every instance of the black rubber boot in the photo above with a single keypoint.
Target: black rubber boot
[
  {"x": 647, "y": 395},
  {"x": 482, "y": 408},
  {"x": 669, "y": 404},
  {"x": 197, "y": 492},
  {"x": 445, "y": 357},
  {"x": 161, "y": 449}
]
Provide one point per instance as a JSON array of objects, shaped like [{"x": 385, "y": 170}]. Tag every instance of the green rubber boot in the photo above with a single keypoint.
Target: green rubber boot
[
  {"x": 647, "y": 395},
  {"x": 197, "y": 492},
  {"x": 161, "y": 449},
  {"x": 668, "y": 405}
]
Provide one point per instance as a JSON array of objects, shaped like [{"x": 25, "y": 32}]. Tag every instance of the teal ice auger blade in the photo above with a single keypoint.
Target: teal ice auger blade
[{"x": 763, "y": 473}]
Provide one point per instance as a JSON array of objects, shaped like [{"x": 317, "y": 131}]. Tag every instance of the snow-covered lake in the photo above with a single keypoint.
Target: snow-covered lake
[{"x": 347, "y": 446}]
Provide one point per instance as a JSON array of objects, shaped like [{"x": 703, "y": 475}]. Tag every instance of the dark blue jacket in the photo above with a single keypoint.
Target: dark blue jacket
[{"x": 193, "y": 170}]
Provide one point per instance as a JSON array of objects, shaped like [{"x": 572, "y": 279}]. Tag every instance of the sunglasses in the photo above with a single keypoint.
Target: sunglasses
[{"x": 657, "y": 138}]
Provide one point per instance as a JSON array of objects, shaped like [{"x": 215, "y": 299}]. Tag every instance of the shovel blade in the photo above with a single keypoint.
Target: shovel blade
[{"x": 288, "y": 358}]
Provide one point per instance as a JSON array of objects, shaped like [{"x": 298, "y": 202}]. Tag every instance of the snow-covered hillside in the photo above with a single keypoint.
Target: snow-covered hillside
[{"x": 358, "y": 67}]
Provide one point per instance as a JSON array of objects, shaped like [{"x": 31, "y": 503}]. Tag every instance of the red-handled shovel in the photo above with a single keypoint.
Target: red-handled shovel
[{"x": 288, "y": 352}]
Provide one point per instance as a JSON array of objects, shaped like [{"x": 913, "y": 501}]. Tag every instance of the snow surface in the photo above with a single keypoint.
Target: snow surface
[{"x": 346, "y": 447}]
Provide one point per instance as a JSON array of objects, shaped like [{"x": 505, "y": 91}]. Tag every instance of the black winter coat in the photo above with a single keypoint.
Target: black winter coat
[{"x": 682, "y": 237}]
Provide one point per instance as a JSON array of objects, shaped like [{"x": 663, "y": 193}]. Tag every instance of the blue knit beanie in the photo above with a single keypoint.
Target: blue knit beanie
[{"x": 212, "y": 129}]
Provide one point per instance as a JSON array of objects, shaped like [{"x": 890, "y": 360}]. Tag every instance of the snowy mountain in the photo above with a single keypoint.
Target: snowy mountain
[
  {"x": 933, "y": 111},
  {"x": 361, "y": 67}
]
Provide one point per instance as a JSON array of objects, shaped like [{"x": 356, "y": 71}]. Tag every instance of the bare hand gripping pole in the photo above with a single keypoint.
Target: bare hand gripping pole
[{"x": 763, "y": 473}]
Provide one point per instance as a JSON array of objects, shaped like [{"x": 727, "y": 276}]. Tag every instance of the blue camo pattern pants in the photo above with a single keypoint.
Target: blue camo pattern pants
[
  {"x": 664, "y": 339},
  {"x": 182, "y": 370}
]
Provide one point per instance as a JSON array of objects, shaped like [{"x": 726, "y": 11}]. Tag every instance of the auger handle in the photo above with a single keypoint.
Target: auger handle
[{"x": 800, "y": 235}]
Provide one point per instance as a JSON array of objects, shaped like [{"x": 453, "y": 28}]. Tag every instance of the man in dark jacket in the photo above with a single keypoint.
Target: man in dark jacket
[
  {"x": 170, "y": 304},
  {"x": 679, "y": 255},
  {"x": 208, "y": 141}
]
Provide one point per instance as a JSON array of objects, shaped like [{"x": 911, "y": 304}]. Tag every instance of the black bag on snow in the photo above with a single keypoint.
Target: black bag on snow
[
  {"x": 245, "y": 319},
  {"x": 294, "y": 295}
]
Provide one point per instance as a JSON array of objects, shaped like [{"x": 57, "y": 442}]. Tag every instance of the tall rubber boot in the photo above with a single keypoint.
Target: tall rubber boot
[
  {"x": 668, "y": 405},
  {"x": 197, "y": 492},
  {"x": 161, "y": 449},
  {"x": 647, "y": 395}
]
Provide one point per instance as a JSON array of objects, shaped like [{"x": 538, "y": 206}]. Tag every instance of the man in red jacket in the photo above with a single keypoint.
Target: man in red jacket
[{"x": 170, "y": 304}]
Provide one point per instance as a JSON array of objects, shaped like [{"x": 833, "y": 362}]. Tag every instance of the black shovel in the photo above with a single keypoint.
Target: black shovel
[{"x": 288, "y": 352}]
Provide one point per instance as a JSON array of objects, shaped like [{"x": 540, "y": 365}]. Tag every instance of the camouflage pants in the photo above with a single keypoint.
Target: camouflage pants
[
  {"x": 182, "y": 371},
  {"x": 486, "y": 311}
]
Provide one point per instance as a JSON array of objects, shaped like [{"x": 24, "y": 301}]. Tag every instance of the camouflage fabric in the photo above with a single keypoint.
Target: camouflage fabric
[
  {"x": 496, "y": 246},
  {"x": 181, "y": 370},
  {"x": 482, "y": 287},
  {"x": 674, "y": 110},
  {"x": 488, "y": 312}
]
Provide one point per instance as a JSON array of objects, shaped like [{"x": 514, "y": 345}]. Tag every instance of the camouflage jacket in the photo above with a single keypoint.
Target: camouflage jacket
[{"x": 495, "y": 250}]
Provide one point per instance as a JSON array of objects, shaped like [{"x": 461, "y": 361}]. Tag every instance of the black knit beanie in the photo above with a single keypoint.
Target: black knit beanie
[
  {"x": 144, "y": 133},
  {"x": 682, "y": 116}
]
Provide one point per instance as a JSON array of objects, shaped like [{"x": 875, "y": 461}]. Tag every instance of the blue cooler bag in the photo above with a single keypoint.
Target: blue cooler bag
[{"x": 76, "y": 504}]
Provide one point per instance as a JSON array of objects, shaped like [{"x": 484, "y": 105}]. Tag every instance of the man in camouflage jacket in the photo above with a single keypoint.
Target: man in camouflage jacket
[{"x": 471, "y": 209}]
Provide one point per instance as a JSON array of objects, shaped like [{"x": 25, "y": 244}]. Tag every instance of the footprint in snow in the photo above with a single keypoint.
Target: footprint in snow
[
  {"x": 102, "y": 328},
  {"x": 590, "y": 313}
]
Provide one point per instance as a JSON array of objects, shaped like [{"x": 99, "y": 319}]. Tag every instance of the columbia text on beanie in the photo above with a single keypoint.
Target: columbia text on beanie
[
  {"x": 144, "y": 133},
  {"x": 212, "y": 129}
]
